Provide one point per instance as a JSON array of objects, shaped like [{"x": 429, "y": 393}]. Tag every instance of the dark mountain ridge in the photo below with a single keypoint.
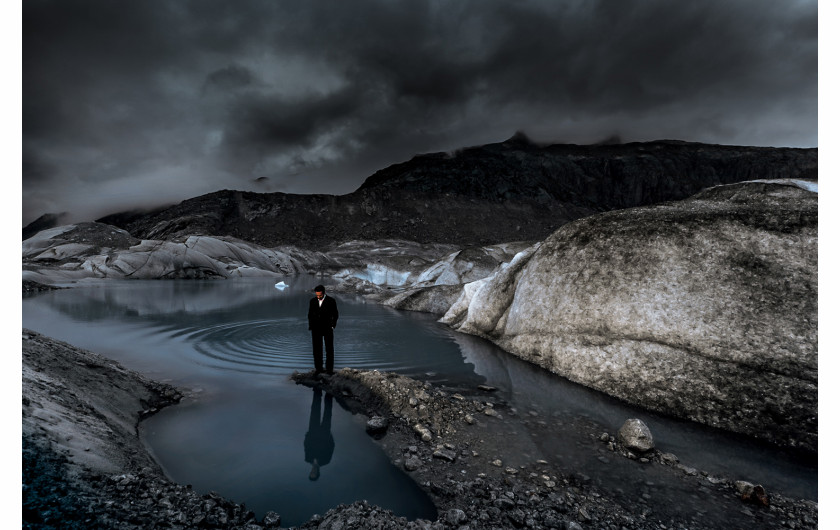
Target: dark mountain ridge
[
  {"x": 45, "y": 222},
  {"x": 601, "y": 177},
  {"x": 508, "y": 191}
]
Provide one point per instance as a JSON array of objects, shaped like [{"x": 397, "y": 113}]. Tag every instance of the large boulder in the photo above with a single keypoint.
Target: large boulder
[{"x": 704, "y": 308}]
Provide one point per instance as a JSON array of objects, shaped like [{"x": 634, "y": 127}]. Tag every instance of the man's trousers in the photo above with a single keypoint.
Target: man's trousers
[{"x": 323, "y": 340}]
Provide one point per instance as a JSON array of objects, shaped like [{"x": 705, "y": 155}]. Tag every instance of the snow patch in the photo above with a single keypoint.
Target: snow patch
[{"x": 806, "y": 185}]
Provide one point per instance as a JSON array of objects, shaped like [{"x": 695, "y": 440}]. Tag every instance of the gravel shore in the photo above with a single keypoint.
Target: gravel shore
[{"x": 85, "y": 467}]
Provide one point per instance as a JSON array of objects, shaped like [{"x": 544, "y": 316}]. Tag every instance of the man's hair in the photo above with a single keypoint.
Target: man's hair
[{"x": 319, "y": 288}]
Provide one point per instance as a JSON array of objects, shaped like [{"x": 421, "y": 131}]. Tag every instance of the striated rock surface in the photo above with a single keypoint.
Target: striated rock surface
[{"x": 705, "y": 308}]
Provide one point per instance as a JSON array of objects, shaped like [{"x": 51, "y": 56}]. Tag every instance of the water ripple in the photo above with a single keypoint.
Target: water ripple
[
  {"x": 253, "y": 345},
  {"x": 284, "y": 345}
]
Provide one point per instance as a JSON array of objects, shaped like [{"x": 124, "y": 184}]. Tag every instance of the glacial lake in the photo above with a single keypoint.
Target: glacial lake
[{"x": 247, "y": 432}]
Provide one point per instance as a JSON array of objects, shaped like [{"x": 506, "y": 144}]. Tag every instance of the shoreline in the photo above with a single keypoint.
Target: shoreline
[{"x": 84, "y": 464}]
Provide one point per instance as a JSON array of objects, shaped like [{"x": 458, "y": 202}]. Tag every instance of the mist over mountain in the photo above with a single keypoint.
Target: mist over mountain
[
  {"x": 515, "y": 190},
  {"x": 508, "y": 191},
  {"x": 46, "y": 221}
]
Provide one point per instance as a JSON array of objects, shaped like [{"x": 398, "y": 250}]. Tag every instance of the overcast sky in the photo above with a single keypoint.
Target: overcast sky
[{"x": 140, "y": 103}]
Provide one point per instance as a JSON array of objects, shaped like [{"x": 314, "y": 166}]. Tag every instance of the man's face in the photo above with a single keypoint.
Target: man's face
[{"x": 319, "y": 295}]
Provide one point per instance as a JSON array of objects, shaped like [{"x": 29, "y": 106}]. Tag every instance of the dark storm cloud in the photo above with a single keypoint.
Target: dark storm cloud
[
  {"x": 135, "y": 103},
  {"x": 229, "y": 78}
]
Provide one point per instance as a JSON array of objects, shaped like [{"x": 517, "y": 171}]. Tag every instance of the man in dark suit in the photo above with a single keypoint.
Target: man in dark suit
[{"x": 323, "y": 315}]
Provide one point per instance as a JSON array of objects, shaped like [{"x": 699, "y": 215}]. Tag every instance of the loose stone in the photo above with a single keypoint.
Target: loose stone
[
  {"x": 377, "y": 425},
  {"x": 636, "y": 436},
  {"x": 412, "y": 464},
  {"x": 444, "y": 454}
]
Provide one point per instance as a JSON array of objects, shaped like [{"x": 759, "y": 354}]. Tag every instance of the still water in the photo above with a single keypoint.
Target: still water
[{"x": 249, "y": 433}]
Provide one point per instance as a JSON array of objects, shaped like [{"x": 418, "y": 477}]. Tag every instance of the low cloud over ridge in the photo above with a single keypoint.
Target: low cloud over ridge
[{"x": 136, "y": 104}]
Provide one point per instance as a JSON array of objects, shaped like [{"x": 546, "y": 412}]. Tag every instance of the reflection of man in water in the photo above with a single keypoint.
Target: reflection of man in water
[{"x": 318, "y": 444}]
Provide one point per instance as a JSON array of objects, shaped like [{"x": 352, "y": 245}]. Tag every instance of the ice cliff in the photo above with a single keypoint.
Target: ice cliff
[{"x": 704, "y": 308}]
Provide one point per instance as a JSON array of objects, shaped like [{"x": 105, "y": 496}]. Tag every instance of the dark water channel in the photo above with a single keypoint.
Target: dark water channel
[{"x": 250, "y": 434}]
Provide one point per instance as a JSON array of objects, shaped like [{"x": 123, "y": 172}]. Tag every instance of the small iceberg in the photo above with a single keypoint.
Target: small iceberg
[{"x": 280, "y": 285}]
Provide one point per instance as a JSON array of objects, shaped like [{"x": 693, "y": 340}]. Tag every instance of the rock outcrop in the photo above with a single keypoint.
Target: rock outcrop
[
  {"x": 509, "y": 191},
  {"x": 705, "y": 308}
]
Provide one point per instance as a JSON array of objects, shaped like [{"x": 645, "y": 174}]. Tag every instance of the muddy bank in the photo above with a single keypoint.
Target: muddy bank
[{"x": 84, "y": 466}]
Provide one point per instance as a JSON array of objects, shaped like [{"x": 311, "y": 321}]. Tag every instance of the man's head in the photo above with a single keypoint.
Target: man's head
[{"x": 319, "y": 291}]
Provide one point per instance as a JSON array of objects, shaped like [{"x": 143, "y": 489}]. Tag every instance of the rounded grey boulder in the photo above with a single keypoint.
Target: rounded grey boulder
[{"x": 636, "y": 436}]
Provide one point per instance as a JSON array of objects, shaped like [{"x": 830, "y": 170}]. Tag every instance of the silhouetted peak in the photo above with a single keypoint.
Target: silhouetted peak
[
  {"x": 519, "y": 138},
  {"x": 45, "y": 222}
]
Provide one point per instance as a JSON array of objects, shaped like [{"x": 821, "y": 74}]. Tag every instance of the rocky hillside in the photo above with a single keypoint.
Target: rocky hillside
[
  {"x": 704, "y": 309},
  {"x": 45, "y": 222},
  {"x": 510, "y": 191}
]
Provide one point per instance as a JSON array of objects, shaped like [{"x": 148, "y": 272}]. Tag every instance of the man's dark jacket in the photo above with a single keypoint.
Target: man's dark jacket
[{"x": 323, "y": 317}]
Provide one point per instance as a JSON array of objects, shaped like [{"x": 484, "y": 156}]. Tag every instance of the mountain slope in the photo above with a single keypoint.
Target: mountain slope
[{"x": 510, "y": 191}]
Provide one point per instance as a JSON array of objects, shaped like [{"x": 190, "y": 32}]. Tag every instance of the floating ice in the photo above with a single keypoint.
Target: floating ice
[{"x": 280, "y": 285}]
